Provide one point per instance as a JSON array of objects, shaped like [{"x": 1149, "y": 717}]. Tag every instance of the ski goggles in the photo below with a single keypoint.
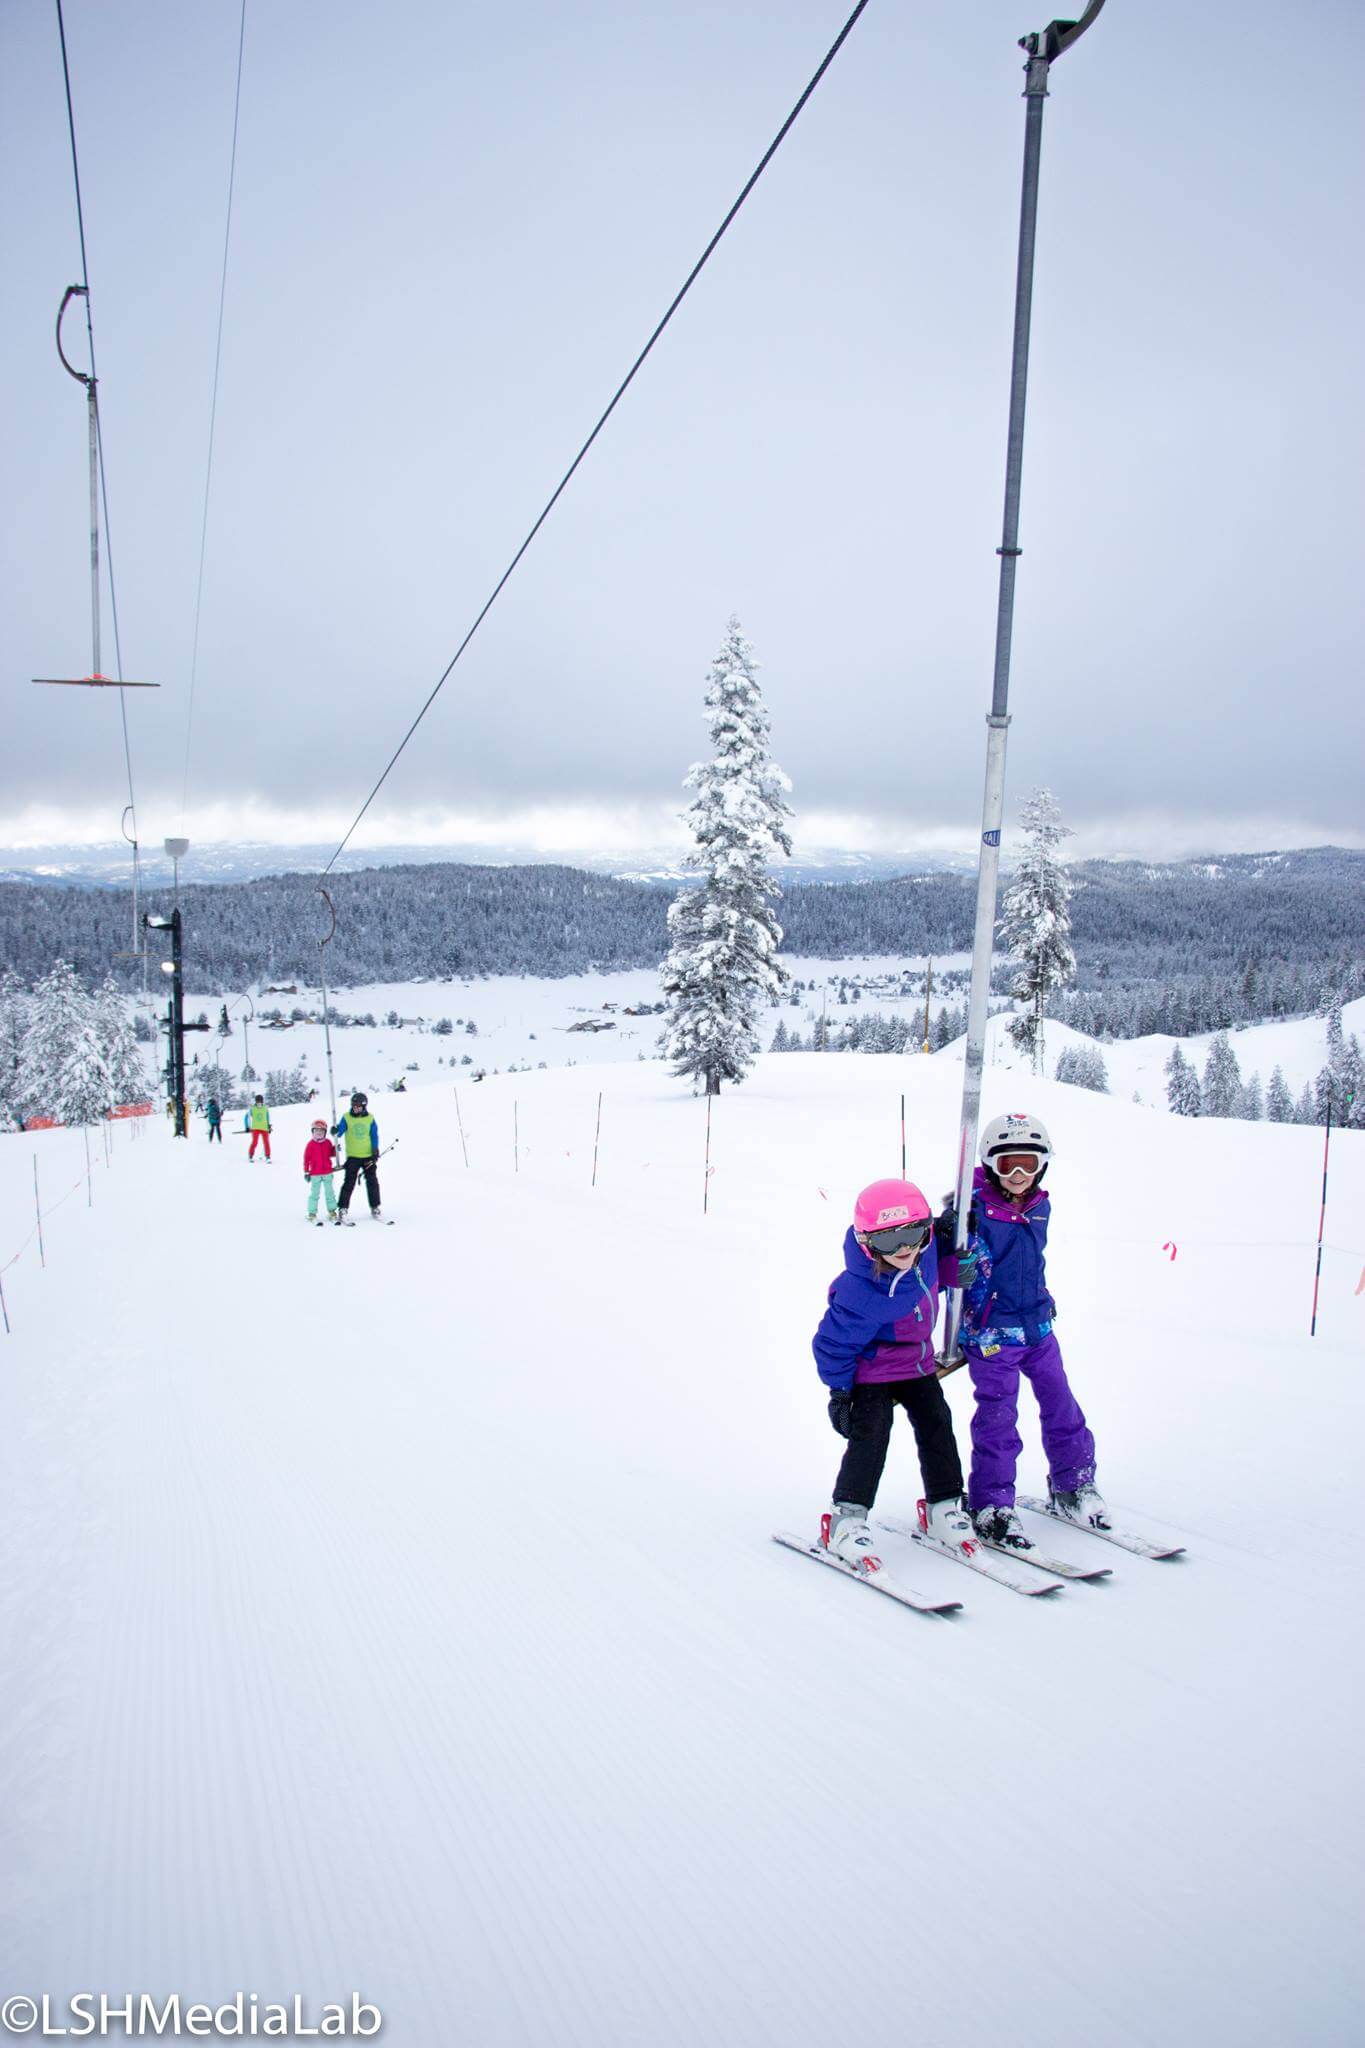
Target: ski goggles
[
  {"x": 1006, "y": 1164},
  {"x": 904, "y": 1237},
  {"x": 320, "y": 1127}
]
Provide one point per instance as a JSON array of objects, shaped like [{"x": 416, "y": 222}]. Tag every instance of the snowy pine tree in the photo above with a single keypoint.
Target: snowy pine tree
[
  {"x": 118, "y": 1042},
  {"x": 1182, "y": 1084},
  {"x": 14, "y": 1009},
  {"x": 1222, "y": 1090},
  {"x": 1352, "y": 1078},
  {"x": 1346, "y": 1073},
  {"x": 284, "y": 1085},
  {"x": 64, "y": 1072},
  {"x": 1036, "y": 924},
  {"x": 1279, "y": 1103},
  {"x": 1083, "y": 1066},
  {"x": 1324, "y": 1097},
  {"x": 722, "y": 966},
  {"x": 1253, "y": 1106},
  {"x": 212, "y": 1083}
]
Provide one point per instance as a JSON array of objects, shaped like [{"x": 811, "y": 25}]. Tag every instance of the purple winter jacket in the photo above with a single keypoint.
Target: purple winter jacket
[{"x": 880, "y": 1325}]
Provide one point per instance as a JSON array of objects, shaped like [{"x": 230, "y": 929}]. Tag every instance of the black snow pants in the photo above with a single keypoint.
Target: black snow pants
[
  {"x": 354, "y": 1169},
  {"x": 874, "y": 1407}
]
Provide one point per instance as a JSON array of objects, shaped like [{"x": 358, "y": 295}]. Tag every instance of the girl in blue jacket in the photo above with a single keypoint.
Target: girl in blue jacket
[{"x": 875, "y": 1352}]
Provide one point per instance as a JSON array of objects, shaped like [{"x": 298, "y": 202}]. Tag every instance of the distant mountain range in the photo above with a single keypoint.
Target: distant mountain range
[{"x": 109, "y": 866}]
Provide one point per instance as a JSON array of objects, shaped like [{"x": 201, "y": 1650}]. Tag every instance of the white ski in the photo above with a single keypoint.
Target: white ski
[
  {"x": 1060, "y": 1567},
  {"x": 979, "y": 1559},
  {"x": 879, "y": 1580},
  {"x": 1140, "y": 1546}
]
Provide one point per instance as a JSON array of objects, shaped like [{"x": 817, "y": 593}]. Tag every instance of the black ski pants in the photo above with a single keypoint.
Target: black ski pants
[
  {"x": 874, "y": 1408},
  {"x": 354, "y": 1169},
  {"x": 215, "y": 1131}
]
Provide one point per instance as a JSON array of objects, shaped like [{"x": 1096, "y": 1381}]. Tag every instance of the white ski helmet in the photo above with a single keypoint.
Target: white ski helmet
[{"x": 1014, "y": 1132}]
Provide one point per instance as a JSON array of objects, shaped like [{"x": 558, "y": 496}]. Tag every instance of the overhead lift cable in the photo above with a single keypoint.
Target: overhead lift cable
[
  {"x": 213, "y": 419},
  {"x": 620, "y": 392}
]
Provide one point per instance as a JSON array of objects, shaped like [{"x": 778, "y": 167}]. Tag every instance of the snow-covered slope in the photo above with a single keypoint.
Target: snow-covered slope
[
  {"x": 1297, "y": 1045},
  {"x": 394, "y": 1610},
  {"x": 524, "y": 1020},
  {"x": 521, "y": 1020}
]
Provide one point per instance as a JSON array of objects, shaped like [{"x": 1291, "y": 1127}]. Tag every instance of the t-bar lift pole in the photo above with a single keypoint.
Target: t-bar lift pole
[{"x": 1042, "y": 51}]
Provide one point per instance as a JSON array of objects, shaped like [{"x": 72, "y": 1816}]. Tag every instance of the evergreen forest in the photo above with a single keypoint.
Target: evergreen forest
[{"x": 1179, "y": 947}]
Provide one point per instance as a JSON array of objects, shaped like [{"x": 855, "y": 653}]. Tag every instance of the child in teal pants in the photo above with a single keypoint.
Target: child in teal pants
[{"x": 319, "y": 1164}]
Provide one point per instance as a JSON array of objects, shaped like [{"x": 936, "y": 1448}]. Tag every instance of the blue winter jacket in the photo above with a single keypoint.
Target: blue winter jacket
[
  {"x": 880, "y": 1325},
  {"x": 1008, "y": 1301}
]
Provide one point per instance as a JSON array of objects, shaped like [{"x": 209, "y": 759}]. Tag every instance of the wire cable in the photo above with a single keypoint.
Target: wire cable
[
  {"x": 213, "y": 419},
  {"x": 620, "y": 392}
]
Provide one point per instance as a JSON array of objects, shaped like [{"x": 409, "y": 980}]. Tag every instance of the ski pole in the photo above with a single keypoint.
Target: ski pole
[
  {"x": 595, "y": 1136},
  {"x": 1322, "y": 1216},
  {"x": 373, "y": 1161},
  {"x": 39, "y": 1207}
]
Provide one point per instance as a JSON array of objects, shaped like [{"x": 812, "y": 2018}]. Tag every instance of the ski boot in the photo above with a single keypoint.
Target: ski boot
[
  {"x": 844, "y": 1534},
  {"x": 1002, "y": 1527},
  {"x": 376, "y": 1216},
  {"x": 344, "y": 1217},
  {"x": 947, "y": 1523},
  {"x": 1084, "y": 1505}
]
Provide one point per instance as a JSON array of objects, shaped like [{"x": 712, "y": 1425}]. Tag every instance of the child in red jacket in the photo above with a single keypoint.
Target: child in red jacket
[{"x": 319, "y": 1164}]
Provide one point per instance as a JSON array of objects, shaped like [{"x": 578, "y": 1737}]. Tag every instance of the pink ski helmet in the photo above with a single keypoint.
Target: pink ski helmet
[{"x": 887, "y": 1203}]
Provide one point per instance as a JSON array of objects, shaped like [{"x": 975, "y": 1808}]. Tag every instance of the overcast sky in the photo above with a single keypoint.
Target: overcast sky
[{"x": 453, "y": 230}]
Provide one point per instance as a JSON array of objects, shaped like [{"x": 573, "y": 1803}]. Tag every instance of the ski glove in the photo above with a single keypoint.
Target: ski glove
[
  {"x": 841, "y": 1410},
  {"x": 945, "y": 1225}
]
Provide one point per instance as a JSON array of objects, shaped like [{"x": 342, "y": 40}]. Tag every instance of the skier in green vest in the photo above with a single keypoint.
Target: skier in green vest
[
  {"x": 258, "y": 1123},
  {"x": 359, "y": 1135}
]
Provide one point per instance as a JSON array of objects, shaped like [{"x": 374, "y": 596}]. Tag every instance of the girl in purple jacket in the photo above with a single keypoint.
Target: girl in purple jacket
[
  {"x": 1007, "y": 1332},
  {"x": 875, "y": 1352}
]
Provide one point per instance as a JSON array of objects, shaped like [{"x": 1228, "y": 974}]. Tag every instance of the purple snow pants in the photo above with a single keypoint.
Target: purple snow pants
[{"x": 995, "y": 1436}]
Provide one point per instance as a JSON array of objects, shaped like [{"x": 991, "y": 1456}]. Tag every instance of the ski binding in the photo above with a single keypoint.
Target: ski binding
[
  {"x": 978, "y": 1559},
  {"x": 877, "y": 1577},
  {"x": 1059, "y": 1567},
  {"x": 1139, "y": 1546}
]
